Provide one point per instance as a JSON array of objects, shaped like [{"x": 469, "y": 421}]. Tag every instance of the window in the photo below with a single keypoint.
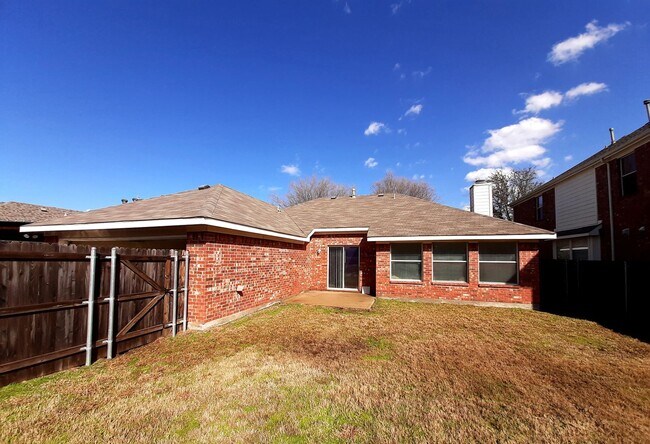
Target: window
[
  {"x": 576, "y": 249},
  {"x": 406, "y": 262},
  {"x": 450, "y": 261},
  {"x": 628, "y": 174},
  {"x": 498, "y": 262},
  {"x": 539, "y": 208}
]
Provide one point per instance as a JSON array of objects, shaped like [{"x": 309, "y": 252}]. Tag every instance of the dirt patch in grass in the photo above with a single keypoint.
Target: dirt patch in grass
[{"x": 402, "y": 372}]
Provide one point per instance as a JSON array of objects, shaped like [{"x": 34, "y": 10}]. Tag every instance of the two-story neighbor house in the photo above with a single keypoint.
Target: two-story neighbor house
[{"x": 600, "y": 208}]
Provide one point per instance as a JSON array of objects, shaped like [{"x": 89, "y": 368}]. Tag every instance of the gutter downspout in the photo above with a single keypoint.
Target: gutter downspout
[{"x": 611, "y": 210}]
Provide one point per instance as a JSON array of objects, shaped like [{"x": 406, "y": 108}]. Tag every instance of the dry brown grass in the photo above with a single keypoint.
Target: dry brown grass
[{"x": 403, "y": 372}]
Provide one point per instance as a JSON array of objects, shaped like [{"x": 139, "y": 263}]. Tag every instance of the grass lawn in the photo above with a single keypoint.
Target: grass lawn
[{"x": 402, "y": 372}]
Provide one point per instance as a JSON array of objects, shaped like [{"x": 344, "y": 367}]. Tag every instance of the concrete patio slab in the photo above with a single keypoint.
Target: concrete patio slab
[{"x": 336, "y": 299}]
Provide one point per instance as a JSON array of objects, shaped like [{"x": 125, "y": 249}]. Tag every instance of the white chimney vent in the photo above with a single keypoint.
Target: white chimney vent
[{"x": 480, "y": 197}]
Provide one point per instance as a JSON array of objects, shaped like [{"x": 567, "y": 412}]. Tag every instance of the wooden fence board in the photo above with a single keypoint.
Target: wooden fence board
[{"x": 43, "y": 315}]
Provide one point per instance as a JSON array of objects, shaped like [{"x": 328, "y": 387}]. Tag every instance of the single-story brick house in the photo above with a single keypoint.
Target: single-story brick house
[{"x": 246, "y": 253}]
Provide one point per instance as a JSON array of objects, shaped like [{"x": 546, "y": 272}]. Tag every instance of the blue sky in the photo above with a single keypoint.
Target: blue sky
[{"x": 104, "y": 100}]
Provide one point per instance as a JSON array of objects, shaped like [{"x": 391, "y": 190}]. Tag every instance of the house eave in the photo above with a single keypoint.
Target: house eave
[
  {"x": 584, "y": 166},
  {"x": 493, "y": 237},
  {"x": 196, "y": 221},
  {"x": 161, "y": 223}
]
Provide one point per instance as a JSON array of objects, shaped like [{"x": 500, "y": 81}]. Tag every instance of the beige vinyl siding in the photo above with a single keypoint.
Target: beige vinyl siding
[{"x": 575, "y": 202}]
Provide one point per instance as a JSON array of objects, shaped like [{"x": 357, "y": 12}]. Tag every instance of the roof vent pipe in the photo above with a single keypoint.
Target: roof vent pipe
[
  {"x": 354, "y": 192},
  {"x": 611, "y": 135},
  {"x": 647, "y": 108}
]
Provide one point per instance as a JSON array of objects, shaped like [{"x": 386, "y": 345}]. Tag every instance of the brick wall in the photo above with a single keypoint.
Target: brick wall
[
  {"x": 632, "y": 212},
  {"x": 525, "y": 213},
  {"x": 318, "y": 262},
  {"x": 268, "y": 270},
  {"x": 527, "y": 292}
]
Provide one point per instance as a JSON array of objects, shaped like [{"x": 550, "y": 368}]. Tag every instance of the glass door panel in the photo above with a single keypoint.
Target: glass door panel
[{"x": 351, "y": 272}]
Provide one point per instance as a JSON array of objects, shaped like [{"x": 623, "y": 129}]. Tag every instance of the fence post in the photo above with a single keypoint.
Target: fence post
[
  {"x": 175, "y": 292},
  {"x": 185, "y": 289},
  {"x": 110, "y": 340},
  {"x": 91, "y": 305},
  {"x": 625, "y": 283}
]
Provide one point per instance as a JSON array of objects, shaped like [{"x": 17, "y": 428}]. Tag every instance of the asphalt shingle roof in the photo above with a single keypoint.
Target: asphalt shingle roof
[
  {"x": 389, "y": 215},
  {"x": 26, "y": 213},
  {"x": 399, "y": 215}
]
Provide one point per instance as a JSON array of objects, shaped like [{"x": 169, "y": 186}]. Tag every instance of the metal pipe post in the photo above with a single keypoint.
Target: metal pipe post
[
  {"x": 185, "y": 289},
  {"x": 175, "y": 293},
  {"x": 110, "y": 340},
  {"x": 91, "y": 305}
]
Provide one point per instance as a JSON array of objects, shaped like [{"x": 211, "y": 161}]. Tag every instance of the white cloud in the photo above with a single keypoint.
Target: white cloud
[
  {"x": 401, "y": 131},
  {"x": 521, "y": 142},
  {"x": 573, "y": 47},
  {"x": 398, "y": 164},
  {"x": 422, "y": 74},
  {"x": 375, "y": 128},
  {"x": 418, "y": 177},
  {"x": 395, "y": 7},
  {"x": 346, "y": 8},
  {"x": 397, "y": 67},
  {"x": 545, "y": 100},
  {"x": 585, "y": 89},
  {"x": 414, "y": 110},
  {"x": 568, "y": 158},
  {"x": 291, "y": 170},
  {"x": 371, "y": 162},
  {"x": 542, "y": 163},
  {"x": 550, "y": 99},
  {"x": 482, "y": 173}
]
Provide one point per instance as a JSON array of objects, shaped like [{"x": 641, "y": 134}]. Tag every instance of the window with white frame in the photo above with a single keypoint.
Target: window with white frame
[
  {"x": 450, "y": 261},
  {"x": 406, "y": 262},
  {"x": 539, "y": 207},
  {"x": 628, "y": 174},
  {"x": 498, "y": 262},
  {"x": 576, "y": 249}
]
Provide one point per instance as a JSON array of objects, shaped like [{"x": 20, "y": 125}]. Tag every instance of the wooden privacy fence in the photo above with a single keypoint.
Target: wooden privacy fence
[
  {"x": 65, "y": 305},
  {"x": 614, "y": 293}
]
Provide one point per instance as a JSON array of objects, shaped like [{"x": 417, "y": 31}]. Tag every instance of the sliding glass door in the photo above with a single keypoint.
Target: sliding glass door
[{"x": 343, "y": 268}]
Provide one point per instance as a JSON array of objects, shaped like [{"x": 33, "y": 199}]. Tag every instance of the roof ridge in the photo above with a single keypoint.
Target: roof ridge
[
  {"x": 212, "y": 202},
  {"x": 294, "y": 222}
]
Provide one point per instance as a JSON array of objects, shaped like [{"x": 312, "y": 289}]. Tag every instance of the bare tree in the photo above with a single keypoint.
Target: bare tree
[
  {"x": 510, "y": 185},
  {"x": 403, "y": 185},
  {"x": 310, "y": 188}
]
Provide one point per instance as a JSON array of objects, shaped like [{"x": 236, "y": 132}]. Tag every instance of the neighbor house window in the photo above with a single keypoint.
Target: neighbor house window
[
  {"x": 498, "y": 262},
  {"x": 450, "y": 261},
  {"x": 576, "y": 249},
  {"x": 628, "y": 174},
  {"x": 539, "y": 208},
  {"x": 406, "y": 262}
]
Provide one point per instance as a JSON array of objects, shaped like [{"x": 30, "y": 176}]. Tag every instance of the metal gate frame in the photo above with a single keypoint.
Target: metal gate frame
[{"x": 159, "y": 293}]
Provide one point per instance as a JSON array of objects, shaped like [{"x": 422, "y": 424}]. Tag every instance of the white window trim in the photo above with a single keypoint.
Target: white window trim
[
  {"x": 410, "y": 261},
  {"x": 516, "y": 262},
  {"x": 466, "y": 262}
]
